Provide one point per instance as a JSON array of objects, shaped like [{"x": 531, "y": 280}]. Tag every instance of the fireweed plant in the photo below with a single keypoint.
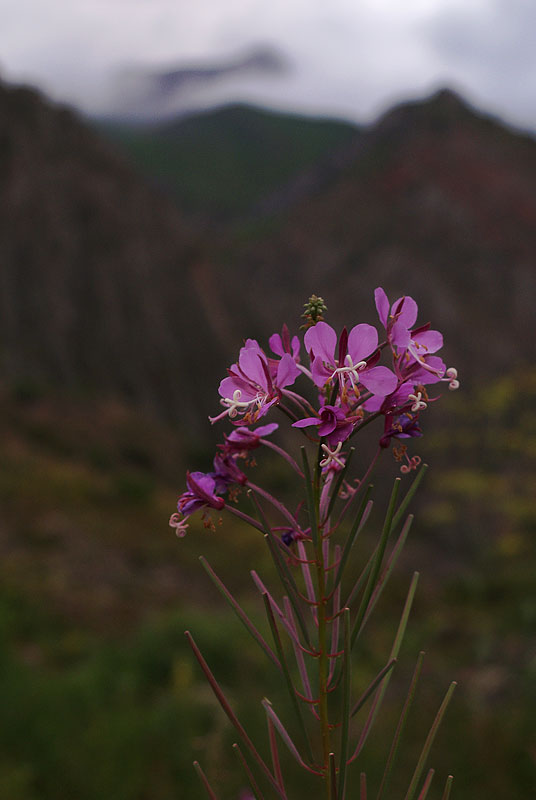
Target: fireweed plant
[{"x": 337, "y": 391}]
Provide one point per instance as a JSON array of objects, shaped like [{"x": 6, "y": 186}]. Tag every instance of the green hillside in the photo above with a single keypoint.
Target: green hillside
[
  {"x": 223, "y": 162},
  {"x": 102, "y": 698}
]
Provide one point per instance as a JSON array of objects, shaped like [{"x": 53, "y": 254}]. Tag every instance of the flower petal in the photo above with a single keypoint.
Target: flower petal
[
  {"x": 382, "y": 305},
  {"x": 428, "y": 341},
  {"x": 406, "y": 310},
  {"x": 362, "y": 341},
  {"x": 276, "y": 344},
  {"x": 320, "y": 373},
  {"x": 228, "y": 387},
  {"x": 322, "y": 340},
  {"x": 379, "y": 380},
  {"x": 400, "y": 335},
  {"x": 305, "y": 423},
  {"x": 287, "y": 371},
  {"x": 250, "y": 362}
]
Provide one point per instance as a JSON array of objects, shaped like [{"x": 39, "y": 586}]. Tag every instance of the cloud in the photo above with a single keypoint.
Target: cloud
[{"x": 351, "y": 58}]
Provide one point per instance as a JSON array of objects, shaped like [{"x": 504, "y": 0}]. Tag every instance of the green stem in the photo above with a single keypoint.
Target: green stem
[{"x": 323, "y": 662}]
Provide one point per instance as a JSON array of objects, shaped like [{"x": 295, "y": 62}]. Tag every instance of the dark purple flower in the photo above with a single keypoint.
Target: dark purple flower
[
  {"x": 332, "y": 423},
  {"x": 200, "y": 494},
  {"x": 242, "y": 438},
  {"x": 405, "y": 426},
  {"x": 226, "y": 472},
  {"x": 357, "y": 363},
  {"x": 250, "y": 389}
]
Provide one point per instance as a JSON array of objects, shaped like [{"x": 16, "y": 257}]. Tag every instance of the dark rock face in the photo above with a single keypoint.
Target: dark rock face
[{"x": 94, "y": 266}]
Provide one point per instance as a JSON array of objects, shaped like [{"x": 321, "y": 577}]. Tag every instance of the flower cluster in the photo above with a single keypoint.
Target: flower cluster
[{"x": 348, "y": 388}]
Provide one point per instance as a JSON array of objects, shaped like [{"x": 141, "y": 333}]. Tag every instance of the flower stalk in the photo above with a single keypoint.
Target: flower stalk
[{"x": 312, "y": 548}]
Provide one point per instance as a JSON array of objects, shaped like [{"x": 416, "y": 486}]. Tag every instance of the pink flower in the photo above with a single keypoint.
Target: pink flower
[
  {"x": 251, "y": 389},
  {"x": 356, "y": 358}
]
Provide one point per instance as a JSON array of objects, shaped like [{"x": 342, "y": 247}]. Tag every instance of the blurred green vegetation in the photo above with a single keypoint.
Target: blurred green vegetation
[
  {"x": 223, "y": 162},
  {"x": 100, "y": 694}
]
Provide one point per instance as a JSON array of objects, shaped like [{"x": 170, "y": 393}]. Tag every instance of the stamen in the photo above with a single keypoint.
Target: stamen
[
  {"x": 233, "y": 405},
  {"x": 331, "y": 456},
  {"x": 452, "y": 375},
  {"x": 177, "y": 522},
  {"x": 418, "y": 402},
  {"x": 351, "y": 369}
]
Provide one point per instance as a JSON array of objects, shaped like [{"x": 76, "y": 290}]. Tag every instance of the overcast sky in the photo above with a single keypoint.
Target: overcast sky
[{"x": 350, "y": 58}]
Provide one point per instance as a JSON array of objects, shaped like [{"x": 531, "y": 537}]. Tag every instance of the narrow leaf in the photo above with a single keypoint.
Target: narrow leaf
[
  {"x": 282, "y": 569},
  {"x": 229, "y": 711},
  {"x": 345, "y": 713},
  {"x": 204, "y": 781},
  {"x": 426, "y": 786},
  {"x": 429, "y": 741},
  {"x": 275, "y": 756},
  {"x": 309, "y": 490},
  {"x": 288, "y": 680},
  {"x": 400, "y": 727},
  {"x": 240, "y": 613},
  {"x": 409, "y": 495},
  {"x": 332, "y": 777},
  {"x": 300, "y": 661},
  {"x": 387, "y": 525},
  {"x": 378, "y": 699},
  {"x": 448, "y": 786},
  {"x": 361, "y": 517},
  {"x": 284, "y": 734},
  {"x": 252, "y": 782},
  {"x": 387, "y": 572},
  {"x": 374, "y": 685},
  {"x": 340, "y": 478}
]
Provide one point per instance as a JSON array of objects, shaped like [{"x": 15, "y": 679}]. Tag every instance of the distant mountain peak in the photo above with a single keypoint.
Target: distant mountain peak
[{"x": 441, "y": 109}]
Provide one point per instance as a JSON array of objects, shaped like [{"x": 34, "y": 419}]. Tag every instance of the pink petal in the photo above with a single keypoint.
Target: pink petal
[
  {"x": 228, "y": 387},
  {"x": 382, "y": 305},
  {"x": 276, "y": 345},
  {"x": 322, "y": 340},
  {"x": 287, "y": 371},
  {"x": 408, "y": 312},
  {"x": 265, "y": 430},
  {"x": 422, "y": 375},
  {"x": 374, "y": 403},
  {"x": 251, "y": 365},
  {"x": 379, "y": 380},
  {"x": 431, "y": 341},
  {"x": 362, "y": 341},
  {"x": 305, "y": 423},
  {"x": 400, "y": 335},
  {"x": 320, "y": 373}
]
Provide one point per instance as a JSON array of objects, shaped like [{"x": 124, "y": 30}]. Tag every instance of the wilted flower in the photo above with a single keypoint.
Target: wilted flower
[
  {"x": 242, "y": 438},
  {"x": 200, "y": 494}
]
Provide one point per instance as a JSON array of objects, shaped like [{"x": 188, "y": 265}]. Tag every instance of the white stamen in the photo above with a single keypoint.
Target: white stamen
[
  {"x": 233, "y": 405},
  {"x": 418, "y": 402},
  {"x": 452, "y": 372},
  {"x": 453, "y": 385},
  {"x": 351, "y": 369},
  {"x": 331, "y": 456}
]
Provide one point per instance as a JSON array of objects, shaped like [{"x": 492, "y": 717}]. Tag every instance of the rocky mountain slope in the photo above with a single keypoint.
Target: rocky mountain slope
[
  {"x": 439, "y": 202},
  {"x": 105, "y": 286}
]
